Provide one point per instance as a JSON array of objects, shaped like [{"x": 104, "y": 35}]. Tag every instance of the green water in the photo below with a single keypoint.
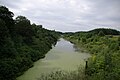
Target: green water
[{"x": 64, "y": 56}]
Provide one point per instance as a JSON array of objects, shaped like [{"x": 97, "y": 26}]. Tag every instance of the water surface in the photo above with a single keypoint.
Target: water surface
[{"x": 63, "y": 56}]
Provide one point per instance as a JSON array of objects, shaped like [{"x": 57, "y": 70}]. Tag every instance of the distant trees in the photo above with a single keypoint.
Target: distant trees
[
  {"x": 101, "y": 33},
  {"x": 105, "y": 31}
]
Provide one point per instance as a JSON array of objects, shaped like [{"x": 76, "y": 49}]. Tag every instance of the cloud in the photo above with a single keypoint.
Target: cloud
[{"x": 68, "y": 15}]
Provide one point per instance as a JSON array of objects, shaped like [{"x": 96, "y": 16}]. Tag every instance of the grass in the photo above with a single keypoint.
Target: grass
[{"x": 64, "y": 75}]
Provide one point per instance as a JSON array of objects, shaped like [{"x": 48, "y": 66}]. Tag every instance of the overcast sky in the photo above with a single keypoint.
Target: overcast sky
[{"x": 68, "y": 15}]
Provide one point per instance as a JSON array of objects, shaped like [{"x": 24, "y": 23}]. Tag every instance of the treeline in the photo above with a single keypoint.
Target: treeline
[
  {"x": 105, "y": 31},
  {"x": 104, "y": 46},
  {"x": 21, "y": 43}
]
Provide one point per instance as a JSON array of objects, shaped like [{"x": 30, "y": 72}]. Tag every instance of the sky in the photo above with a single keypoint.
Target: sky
[{"x": 68, "y": 15}]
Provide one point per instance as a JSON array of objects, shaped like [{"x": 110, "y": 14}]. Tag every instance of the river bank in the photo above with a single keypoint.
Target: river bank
[
  {"x": 105, "y": 49},
  {"x": 63, "y": 57}
]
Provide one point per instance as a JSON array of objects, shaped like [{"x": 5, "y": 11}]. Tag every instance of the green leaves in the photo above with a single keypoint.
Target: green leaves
[
  {"x": 21, "y": 44},
  {"x": 104, "y": 44}
]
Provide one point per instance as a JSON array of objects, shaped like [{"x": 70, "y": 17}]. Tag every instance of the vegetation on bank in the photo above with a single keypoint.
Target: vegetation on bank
[
  {"x": 64, "y": 75},
  {"x": 104, "y": 45},
  {"x": 21, "y": 43}
]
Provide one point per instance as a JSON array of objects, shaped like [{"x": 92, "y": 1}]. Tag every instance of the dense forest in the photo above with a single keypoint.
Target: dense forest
[
  {"x": 104, "y": 46},
  {"x": 21, "y": 43}
]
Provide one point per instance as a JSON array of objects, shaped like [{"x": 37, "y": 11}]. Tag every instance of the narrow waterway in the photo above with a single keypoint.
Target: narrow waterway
[{"x": 63, "y": 56}]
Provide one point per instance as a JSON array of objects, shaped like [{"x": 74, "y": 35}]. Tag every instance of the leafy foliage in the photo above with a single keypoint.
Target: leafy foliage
[
  {"x": 64, "y": 75},
  {"x": 21, "y": 43},
  {"x": 104, "y": 45}
]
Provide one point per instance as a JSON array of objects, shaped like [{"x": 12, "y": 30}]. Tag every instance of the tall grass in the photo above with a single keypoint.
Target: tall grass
[{"x": 64, "y": 75}]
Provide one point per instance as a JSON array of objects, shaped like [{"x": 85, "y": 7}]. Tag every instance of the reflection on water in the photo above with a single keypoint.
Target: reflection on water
[{"x": 62, "y": 56}]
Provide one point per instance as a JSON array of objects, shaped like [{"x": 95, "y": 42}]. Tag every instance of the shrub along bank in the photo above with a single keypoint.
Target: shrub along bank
[{"x": 104, "y": 45}]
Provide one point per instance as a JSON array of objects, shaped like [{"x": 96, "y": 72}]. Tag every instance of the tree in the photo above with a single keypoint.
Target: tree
[
  {"x": 6, "y": 26},
  {"x": 6, "y": 16},
  {"x": 23, "y": 26},
  {"x": 101, "y": 33},
  {"x": 6, "y": 44},
  {"x": 18, "y": 51}
]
